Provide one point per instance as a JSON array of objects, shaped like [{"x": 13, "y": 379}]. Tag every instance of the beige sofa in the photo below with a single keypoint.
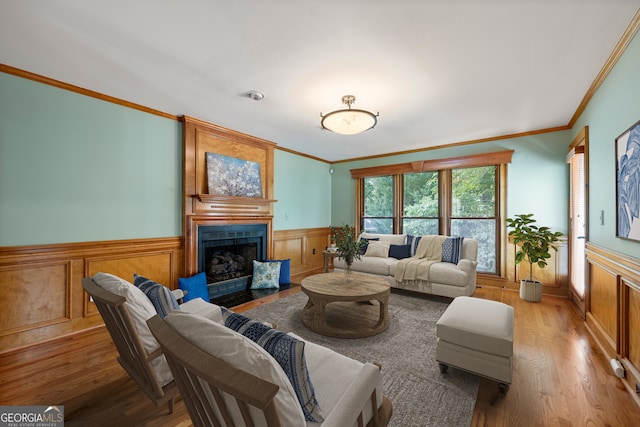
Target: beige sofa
[{"x": 445, "y": 278}]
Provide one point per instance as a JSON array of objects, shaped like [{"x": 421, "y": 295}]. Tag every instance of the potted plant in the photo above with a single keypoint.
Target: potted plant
[
  {"x": 348, "y": 246},
  {"x": 533, "y": 244}
]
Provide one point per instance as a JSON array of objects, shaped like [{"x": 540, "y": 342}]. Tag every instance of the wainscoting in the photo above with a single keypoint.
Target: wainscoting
[
  {"x": 41, "y": 286},
  {"x": 613, "y": 309},
  {"x": 41, "y": 293},
  {"x": 304, "y": 247},
  {"x": 554, "y": 277}
]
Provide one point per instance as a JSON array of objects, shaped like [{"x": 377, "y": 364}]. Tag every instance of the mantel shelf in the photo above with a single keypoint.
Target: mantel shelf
[{"x": 217, "y": 198}]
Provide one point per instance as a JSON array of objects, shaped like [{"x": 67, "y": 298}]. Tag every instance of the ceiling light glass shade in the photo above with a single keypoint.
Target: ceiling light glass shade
[{"x": 349, "y": 121}]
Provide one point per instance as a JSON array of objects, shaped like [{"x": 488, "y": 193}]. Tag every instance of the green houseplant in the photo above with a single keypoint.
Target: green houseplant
[
  {"x": 348, "y": 246},
  {"x": 533, "y": 244}
]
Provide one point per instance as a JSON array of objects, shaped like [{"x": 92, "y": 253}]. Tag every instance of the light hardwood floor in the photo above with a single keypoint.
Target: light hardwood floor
[{"x": 560, "y": 377}]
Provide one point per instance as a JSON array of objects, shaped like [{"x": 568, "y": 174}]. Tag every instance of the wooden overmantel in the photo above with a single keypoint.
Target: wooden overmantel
[{"x": 203, "y": 208}]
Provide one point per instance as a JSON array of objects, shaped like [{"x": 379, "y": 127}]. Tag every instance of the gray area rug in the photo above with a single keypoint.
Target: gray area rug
[{"x": 420, "y": 394}]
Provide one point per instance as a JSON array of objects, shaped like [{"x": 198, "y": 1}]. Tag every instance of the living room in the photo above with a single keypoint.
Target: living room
[{"x": 92, "y": 181}]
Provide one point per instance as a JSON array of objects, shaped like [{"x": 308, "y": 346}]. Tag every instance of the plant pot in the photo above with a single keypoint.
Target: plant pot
[{"x": 531, "y": 290}]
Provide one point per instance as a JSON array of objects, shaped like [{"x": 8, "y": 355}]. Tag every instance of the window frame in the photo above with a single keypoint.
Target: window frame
[{"x": 498, "y": 159}]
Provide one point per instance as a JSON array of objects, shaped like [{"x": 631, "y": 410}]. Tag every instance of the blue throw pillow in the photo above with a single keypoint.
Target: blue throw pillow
[
  {"x": 413, "y": 241},
  {"x": 285, "y": 270},
  {"x": 451, "y": 249},
  {"x": 399, "y": 251},
  {"x": 266, "y": 275},
  {"x": 159, "y": 295},
  {"x": 196, "y": 287},
  {"x": 287, "y": 351}
]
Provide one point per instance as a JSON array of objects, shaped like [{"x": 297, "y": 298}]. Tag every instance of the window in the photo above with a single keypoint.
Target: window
[
  {"x": 378, "y": 205},
  {"x": 421, "y": 203},
  {"x": 474, "y": 211},
  {"x": 461, "y": 196}
]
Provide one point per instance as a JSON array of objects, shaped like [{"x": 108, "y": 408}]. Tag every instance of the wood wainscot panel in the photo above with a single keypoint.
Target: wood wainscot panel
[
  {"x": 291, "y": 247},
  {"x": 33, "y": 296},
  {"x": 603, "y": 314},
  {"x": 303, "y": 246},
  {"x": 554, "y": 277},
  {"x": 42, "y": 295},
  {"x": 630, "y": 339},
  {"x": 613, "y": 315},
  {"x": 154, "y": 266}
]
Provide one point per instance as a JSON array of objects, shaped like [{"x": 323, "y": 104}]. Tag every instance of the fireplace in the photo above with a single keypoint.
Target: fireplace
[
  {"x": 226, "y": 254},
  {"x": 224, "y": 233}
]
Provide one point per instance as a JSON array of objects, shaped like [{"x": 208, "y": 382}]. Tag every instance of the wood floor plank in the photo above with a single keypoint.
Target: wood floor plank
[{"x": 560, "y": 376}]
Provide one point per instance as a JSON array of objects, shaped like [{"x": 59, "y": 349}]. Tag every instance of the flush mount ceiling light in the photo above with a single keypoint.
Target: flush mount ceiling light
[{"x": 349, "y": 121}]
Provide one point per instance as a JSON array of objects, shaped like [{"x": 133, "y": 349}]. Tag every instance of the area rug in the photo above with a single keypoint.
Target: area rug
[{"x": 420, "y": 394}]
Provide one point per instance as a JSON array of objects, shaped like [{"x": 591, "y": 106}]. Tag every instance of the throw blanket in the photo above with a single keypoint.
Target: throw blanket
[{"x": 417, "y": 267}]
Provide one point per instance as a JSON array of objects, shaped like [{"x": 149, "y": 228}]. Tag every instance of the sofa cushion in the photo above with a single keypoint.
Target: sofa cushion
[
  {"x": 451, "y": 249},
  {"x": 372, "y": 265},
  {"x": 159, "y": 295},
  {"x": 448, "y": 274},
  {"x": 231, "y": 347},
  {"x": 196, "y": 287},
  {"x": 377, "y": 249},
  {"x": 266, "y": 275},
  {"x": 140, "y": 309},
  {"x": 343, "y": 371},
  {"x": 400, "y": 251},
  {"x": 288, "y": 351},
  {"x": 392, "y": 239}
]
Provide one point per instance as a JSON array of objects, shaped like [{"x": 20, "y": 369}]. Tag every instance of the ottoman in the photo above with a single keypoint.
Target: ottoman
[{"x": 476, "y": 335}]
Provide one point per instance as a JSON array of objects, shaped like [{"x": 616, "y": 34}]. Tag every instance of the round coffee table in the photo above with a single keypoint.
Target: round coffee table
[{"x": 358, "y": 307}]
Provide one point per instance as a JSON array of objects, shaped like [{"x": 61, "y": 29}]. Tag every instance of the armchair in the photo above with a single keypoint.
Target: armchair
[
  {"x": 227, "y": 379},
  {"x": 125, "y": 310}
]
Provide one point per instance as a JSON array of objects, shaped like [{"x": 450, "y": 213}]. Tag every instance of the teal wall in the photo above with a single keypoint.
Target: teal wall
[
  {"x": 614, "y": 108},
  {"x": 76, "y": 169},
  {"x": 302, "y": 187},
  {"x": 537, "y": 177}
]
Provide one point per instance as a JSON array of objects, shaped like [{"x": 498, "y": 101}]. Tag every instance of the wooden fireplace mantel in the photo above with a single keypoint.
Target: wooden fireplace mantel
[
  {"x": 200, "y": 207},
  {"x": 215, "y": 204}
]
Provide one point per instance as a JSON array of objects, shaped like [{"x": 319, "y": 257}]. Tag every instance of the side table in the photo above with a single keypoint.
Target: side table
[{"x": 328, "y": 255}]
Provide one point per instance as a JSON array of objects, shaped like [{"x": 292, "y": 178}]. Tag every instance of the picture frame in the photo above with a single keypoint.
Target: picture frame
[
  {"x": 231, "y": 176},
  {"x": 627, "y": 150}
]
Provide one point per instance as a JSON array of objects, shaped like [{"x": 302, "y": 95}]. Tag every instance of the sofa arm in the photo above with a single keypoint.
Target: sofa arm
[
  {"x": 356, "y": 398},
  {"x": 467, "y": 265}
]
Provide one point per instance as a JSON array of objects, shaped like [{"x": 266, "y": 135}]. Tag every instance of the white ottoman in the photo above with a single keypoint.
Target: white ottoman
[{"x": 477, "y": 335}]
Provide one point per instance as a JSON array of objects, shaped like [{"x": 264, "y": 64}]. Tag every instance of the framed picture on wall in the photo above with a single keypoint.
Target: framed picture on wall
[
  {"x": 628, "y": 183},
  {"x": 230, "y": 176}
]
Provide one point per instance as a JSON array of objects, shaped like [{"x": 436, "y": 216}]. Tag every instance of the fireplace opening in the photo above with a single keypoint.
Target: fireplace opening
[
  {"x": 230, "y": 261},
  {"x": 226, "y": 254}
]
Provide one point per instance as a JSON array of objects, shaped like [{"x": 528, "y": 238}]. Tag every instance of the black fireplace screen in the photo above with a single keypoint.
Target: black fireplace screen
[{"x": 226, "y": 254}]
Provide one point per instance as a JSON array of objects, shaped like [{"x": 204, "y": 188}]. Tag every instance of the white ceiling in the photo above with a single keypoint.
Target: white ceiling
[{"x": 438, "y": 72}]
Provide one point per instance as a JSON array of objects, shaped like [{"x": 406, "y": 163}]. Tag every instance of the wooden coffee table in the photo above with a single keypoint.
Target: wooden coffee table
[{"x": 354, "y": 309}]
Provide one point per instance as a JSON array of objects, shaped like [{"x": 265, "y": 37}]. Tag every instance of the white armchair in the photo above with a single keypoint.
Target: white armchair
[{"x": 228, "y": 379}]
